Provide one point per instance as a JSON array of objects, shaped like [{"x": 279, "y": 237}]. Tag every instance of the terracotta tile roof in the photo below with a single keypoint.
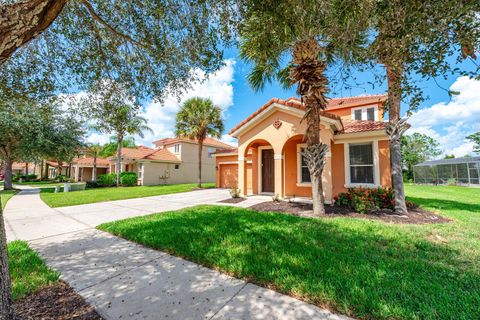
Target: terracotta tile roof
[
  {"x": 162, "y": 155},
  {"x": 290, "y": 102},
  {"x": 208, "y": 141},
  {"x": 362, "y": 126},
  {"x": 88, "y": 161},
  {"x": 18, "y": 166},
  {"x": 55, "y": 163},
  {"x": 146, "y": 153},
  {"x": 221, "y": 151},
  {"x": 347, "y": 102}
]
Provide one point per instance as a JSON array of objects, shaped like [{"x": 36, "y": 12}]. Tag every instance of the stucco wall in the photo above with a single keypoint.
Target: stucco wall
[
  {"x": 384, "y": 155},
  {"x": 346, "y": 113},
  {"x": 187, "y": 173}
]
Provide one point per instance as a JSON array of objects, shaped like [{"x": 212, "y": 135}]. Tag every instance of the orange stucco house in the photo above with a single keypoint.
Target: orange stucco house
[{"x": 268, "y": 159}]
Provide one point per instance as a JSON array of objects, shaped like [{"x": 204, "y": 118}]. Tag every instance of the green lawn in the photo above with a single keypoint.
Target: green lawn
[
  {"x": 55, "y": 200},
  {"x": 363, "y": 268},
  {"x": 28, "y": 271},
  {"x": 6, "y": 195}
]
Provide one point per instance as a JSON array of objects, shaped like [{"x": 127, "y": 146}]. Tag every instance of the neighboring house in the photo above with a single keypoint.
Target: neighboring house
[
  {"x": 173, "y": 160},
  {"x": 82, "y": 168},
  {"x": 268, "y": 158},
  {"x": 53, "y": 169}
]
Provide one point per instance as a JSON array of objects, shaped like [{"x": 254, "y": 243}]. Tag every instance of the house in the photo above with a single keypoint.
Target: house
[
  {"x": 172, "y": 160},
  {"x": 268, "y": 159},
  {"x": 82, "y": 168}
]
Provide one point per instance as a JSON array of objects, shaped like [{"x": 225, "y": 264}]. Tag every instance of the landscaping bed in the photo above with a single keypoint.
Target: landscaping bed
[
  {"x": 414, "y": 215},
  {"x": 57, "y": 301},
  {"x": 232, "y": 200}
]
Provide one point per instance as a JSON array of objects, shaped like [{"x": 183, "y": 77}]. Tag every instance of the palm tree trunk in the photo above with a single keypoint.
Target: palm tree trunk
[
  {"x": 7, "y": 311},
  {"x": 200, "y": 149},
  {"x": 309, "y": 74},
  {"x": 394, "y": 78},
  {"x": 119, "y": 158}
]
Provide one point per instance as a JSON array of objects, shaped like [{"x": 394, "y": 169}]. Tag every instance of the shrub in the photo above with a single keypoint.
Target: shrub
[
  {"x": 235, "y": 193},
  {"x": 62, "y": 178},
  {"x": 364, "y": 200},
  {"x": 92, "y": 185},
  {"x": 107, "y": 180},
  {"x": 128, "y": 179},
  {"x": 452, "y": 182}
]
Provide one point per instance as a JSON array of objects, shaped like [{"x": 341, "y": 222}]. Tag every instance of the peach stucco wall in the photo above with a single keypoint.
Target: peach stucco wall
[
  {"x": 346, "y": 113},
  {"x": 384, "y": 155}
]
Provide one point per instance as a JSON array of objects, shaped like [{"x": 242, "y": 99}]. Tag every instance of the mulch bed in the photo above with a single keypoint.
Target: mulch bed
[
  {"x": 233, "y": 200},
  {"x": 415, "y": 215},
  {"x": 56, "y": 302}
]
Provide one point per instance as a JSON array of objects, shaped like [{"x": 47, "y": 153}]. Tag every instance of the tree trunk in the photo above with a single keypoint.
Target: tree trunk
[
  {"x": 119, "y": 158},
  {"x": 7, "y": 183},
  {"x": 22, "y": 21},
  {"x": 94, "y": 171},
  {"x": 394, "y": 77},
  {"x": 7, "y": 311},
  {"x": 26, "y": 170},
  {"x": 200, "y": 149}
]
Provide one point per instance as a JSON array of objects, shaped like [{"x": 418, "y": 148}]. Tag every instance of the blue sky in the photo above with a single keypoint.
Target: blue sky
[{"x": 446, "y": 119}]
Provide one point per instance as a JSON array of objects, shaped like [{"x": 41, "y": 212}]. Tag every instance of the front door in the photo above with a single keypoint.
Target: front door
[{"x": 267, "y": 170}]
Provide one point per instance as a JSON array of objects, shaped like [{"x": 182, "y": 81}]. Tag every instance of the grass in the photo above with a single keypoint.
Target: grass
[
  {"x": 55, "y": 200},
  {"x": 362, "y": 268},
  {"x": 6, "y": 195},
  {"x": 28, "y": 271}
]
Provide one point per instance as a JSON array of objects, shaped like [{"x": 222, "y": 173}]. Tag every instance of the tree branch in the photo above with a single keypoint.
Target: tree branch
[
  {"x": 22, "y": 21},
  {"x": 106, "y": 25}
]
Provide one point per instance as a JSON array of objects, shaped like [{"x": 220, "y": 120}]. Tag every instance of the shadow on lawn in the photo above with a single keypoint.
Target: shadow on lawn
[{"x": 356, "y": 267}]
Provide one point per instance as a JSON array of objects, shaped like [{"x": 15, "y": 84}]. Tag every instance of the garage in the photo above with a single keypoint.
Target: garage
[{"x": 228, "y": 175}]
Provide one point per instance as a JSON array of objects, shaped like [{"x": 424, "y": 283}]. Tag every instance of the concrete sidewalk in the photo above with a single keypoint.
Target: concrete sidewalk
[{"x": 123, "y": 280}]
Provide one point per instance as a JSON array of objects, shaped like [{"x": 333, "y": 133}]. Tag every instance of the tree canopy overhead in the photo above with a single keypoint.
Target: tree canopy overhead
[{"x": 149, "y": 45}]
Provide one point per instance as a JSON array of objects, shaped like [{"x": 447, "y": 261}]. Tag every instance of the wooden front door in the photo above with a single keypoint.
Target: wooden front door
[{"x": 267, "y": 171}]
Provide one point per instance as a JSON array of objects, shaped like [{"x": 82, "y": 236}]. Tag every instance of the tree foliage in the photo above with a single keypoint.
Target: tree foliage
[
  {"x": 475, "y": 138},
  {"x": 417, "y": 148},
  {"x": 198, "y": 119},
  {"x": 109, "y": 149}
]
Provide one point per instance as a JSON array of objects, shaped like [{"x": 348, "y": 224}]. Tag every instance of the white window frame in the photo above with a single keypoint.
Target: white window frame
[
  {"x": 301, "y": 183},
  {"x": 364, "y": 112},
  {"x": 176, "y": 148},
  {"x": 376, "y": 165}
]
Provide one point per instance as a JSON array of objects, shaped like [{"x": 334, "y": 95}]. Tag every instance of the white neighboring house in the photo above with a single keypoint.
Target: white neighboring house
[{"x": 173, "y": 160}]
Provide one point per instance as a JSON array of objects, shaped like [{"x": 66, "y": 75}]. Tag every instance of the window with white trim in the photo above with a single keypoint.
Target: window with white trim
[
  {"x": 177, "y": 147},
  {"x": 361, "y": 163},
  {"x": 369, "y": 113},
  {"x": 304, "y": 172}
]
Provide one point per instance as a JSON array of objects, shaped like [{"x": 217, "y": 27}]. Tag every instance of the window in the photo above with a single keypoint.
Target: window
[
  {"x": 177, "y": 167},
  {"x": 211, "y": 151},
  {"x": 369, "y": 113},
  {"x": 361, "y": 163},
  {"x": 304, "y": 172},
  {"x": 358, "y": 114},
  {"x": 177, "y": 148}
]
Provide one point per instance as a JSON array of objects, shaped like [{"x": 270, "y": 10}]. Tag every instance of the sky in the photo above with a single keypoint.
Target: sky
[{"x": 447, "y": 119}]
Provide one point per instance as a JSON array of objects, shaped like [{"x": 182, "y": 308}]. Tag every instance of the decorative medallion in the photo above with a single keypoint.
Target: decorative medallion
[{"x": 277, "y": 124}]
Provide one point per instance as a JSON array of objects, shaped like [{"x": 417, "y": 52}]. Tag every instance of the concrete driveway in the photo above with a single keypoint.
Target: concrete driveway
[{"x": 123, "y": 280}]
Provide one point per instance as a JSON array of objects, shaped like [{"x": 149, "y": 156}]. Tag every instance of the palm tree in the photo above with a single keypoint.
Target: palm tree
[
  {"x": 93, "y": 150},
  {"x": 313, "y": 33},
  {"x": 198, "y": 119}
]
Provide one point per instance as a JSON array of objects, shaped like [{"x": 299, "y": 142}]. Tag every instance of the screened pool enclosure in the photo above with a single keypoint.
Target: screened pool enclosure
[{"x": 464, "y": 171}]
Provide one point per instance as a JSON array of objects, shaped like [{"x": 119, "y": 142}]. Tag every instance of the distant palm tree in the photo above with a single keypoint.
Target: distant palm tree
[
  {"x": 93, "y": 150},
  {"x": 198, "y": 119}
]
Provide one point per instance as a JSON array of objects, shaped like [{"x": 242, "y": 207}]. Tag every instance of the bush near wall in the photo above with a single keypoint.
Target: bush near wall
[
  {"x": 107, "y": 180},
  {"x": 128, "y": 179},
  {"x": 365, "y": 200}
]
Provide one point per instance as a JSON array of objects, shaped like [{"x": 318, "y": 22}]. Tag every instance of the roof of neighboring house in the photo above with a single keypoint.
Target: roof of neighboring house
[
  {"x": 55, "y": 163},
  {"x": 226, "y": 151},
  {"x": 290, "y": 102},
  {"x": 208, "y": 141},
  {"x": 88, "y": 161},
  {"x": 18, "y": 166},
  {"x": 146, "y": 153},
  {"x": 354, "y": 126}
]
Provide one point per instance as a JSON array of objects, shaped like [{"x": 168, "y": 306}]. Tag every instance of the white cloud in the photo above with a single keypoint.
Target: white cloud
[
  {"x": 229, "y": 140},
  {"x": 98, "y": 138},
  {"x": 161, "y": 117},
  {"x": 450, "y": 122}
]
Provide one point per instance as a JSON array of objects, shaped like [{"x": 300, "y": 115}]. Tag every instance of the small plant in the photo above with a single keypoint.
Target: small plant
[
  {"x": 276, "y": 198},
  {"x": 235, "y": 193},
  {"x": 62, "y": 178},
  {"x": 452, "y": 182},
  {"x": 128, "y": 179},
  {"x": 291, "y": 198},
  {"x": 364, "y": 200}
]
